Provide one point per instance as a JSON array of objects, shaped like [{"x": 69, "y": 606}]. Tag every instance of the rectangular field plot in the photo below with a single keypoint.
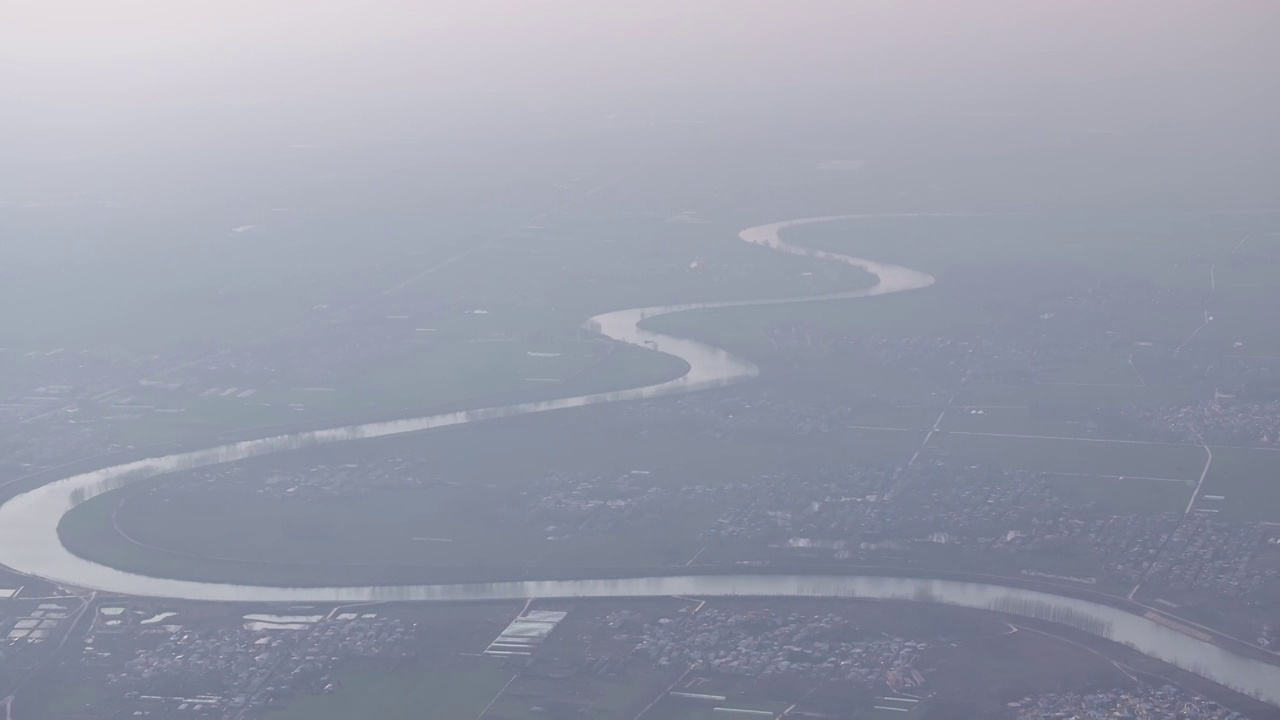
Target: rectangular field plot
[
  {"x": 704, "y": 706},
  {"x": 1125, "y": 493},
  {"x": 1074, "y": 456},
  {"x": 1088, "y": 396},
  {"x": 1242, "y": 484},
  {"x": 459, "y": 689},
  {"x": 917, "y": 417},
  {"x": 1020, "y": 420},
  {"x": 1095, "y": 369}
]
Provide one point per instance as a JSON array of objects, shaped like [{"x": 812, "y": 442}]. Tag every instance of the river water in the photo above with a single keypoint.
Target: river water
[{"x": 29, "y": 541}]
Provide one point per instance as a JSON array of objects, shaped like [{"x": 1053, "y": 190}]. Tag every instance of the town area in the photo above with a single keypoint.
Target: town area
[{"x": 675, "y": 657}]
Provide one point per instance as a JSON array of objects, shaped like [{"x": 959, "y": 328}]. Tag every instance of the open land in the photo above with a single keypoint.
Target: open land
[{"x": 1086, "y": 401}]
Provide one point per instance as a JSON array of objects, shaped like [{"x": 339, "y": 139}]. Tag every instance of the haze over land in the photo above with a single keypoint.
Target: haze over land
[{"x": 963, "y": 309}]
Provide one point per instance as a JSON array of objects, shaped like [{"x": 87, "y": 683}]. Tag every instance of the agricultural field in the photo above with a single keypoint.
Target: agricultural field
[
  {"x": 973, "y": 662},
  {"x": 1070, "y": 422},
  {"x": 465, "y": 522},
  {"x": 1243, "y": 484}
]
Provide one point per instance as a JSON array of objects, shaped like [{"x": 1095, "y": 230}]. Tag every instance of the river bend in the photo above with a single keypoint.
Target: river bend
[{"x": 29, "y": 541}]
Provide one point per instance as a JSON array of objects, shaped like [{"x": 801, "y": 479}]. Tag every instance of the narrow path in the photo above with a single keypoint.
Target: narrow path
[
  {"x": 1179, "y": 481},
  {"x": 792, "y": 707},
  {"x": 342, "y": 608},
  {"x": 435, "y": 269},
  {"x": 1135, "y": 371},
  {"x": 1092, "y": 439},
  {"x": 696, "y": 610},
  {"x": 929, "y": 436},
  {"x": 1191, "y": 504},
  {"x": 1085, "y": 384},
  {"x": 1122, "y": 668},
  {"x": 495, "y": 699},
  {"x": 1207, "y": 319},
  {"x": 664, "y": 693}
]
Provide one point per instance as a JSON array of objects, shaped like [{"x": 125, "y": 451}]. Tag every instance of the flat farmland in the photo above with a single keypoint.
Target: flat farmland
[
  {"x": 1125, "y": 494},
  {"x": 472, "y": 522},
  {"x": 1079, "y": 395},
  {"x": 1243, "y": 484},
  {"x": 1072, "y": 455},
  {"x": 1020, "y": 420}
]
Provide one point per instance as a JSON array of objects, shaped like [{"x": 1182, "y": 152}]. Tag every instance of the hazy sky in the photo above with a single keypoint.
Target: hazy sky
[
  {"x": 137, "y": 126},
  {"x": 102, "y": 94}
]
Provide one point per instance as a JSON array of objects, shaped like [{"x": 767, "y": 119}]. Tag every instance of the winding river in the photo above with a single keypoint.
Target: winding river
[{"x": 29, "y": 541}]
